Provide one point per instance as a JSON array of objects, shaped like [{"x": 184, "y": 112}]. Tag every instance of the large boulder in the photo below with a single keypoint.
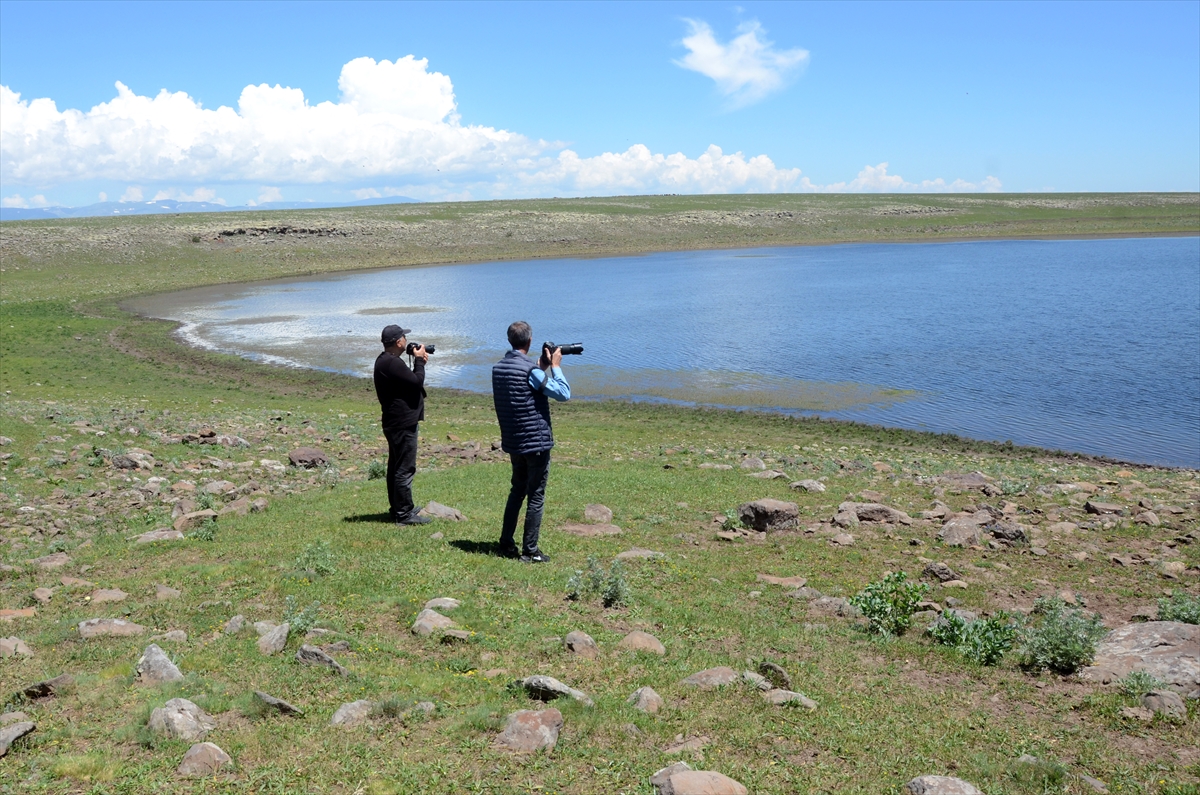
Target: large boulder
[
  {"x": 203, "y": 759},
  {"x": 180, "y": 719},
  {"x": 274, "y": 640},
  {"x": 1168, "y": 650},
  {"x": 646, "y": 700},
  {"x": 964, "y": 530},
  {"x": 155, "y": 667},
  {"x": 582, "y": 644},
  {"x": 768, "y": 514},
  {"x": 642, "y": 641},
  {"x": 307, "y": 458},
  {"x": 429, "y": 621},
  {"x": 49, "y": 687},
  {"x": 702, "y": 782},
  {"x": 13, "y": 732},
  {"x": 528, "y": 731}
]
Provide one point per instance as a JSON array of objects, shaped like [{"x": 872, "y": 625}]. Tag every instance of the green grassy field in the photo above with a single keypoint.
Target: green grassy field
[{"x": 74, "y": 366}]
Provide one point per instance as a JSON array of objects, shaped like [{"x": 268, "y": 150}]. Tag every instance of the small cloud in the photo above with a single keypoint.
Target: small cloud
[
  {"x": 198, "y": 195},
  {"x": 269, "y": 194},
  {"x": 16, "y": 200},
  {"x": 746, "y": 69},
  {"x": 367, "y": 193},
  {"x": 876, "y": 179},
  {"x": 132, "y": 194},
  {"x": 103, "y": 196}
]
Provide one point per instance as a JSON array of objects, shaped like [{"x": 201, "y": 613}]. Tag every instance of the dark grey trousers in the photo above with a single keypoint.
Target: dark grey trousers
[
  {"x": 401, "y": 467},
  {"x": 529, "y": 475}
]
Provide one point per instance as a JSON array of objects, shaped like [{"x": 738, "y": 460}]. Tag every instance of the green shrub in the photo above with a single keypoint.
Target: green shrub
[
  {"x": 317, "y": 558},
  {"x": 207, "y": 531},
  {"x": 376, "y": 470},
  {"x": 890, "y": 603},
  {"x": 1180, "y": 606},
  {"x": 301, "y": 621},
  {"x": 1063, "y": 640},
  {"x": 609, "y": 585},
  {"x": 1139, "y": 683},
  {"x": 616, "y": 592},
  {"x": 982, "y": 641}
]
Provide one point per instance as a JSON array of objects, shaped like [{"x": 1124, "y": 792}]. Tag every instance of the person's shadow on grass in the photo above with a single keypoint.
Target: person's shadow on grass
[
  {"x": 383, "y": 517},
  {"x": 478, "y": 547}
]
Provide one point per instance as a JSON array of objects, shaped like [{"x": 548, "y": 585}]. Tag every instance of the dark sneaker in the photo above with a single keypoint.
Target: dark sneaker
[
  {"x": 537, "y": 556},
  {"x": 413, "y": 519},
  {"x": 509, "y": 552}
]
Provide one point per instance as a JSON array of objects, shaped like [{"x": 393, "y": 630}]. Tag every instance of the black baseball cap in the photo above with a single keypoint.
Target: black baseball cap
[{"x": 392, "y": 333}]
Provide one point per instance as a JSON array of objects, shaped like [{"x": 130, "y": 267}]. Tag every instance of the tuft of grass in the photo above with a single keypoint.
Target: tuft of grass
[
  {"x": 376, "y": 470},
  {"x": 207, "y": 531},
  {"x": 889, "y": 604},
  {"x": 1180, "y": 606},
  {"x": 611, "y": 585},
  {"x": 301, "y": 620},
  {"x": 1139, "y": 683},
  {"x": 318, "y": 558},
  {"x": 92, "y": 767},
  {"x": 1063, "y": 640}
]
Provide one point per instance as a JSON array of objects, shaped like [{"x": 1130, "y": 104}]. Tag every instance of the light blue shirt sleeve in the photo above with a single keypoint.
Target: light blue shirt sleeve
[{"x": 555, "y": 386}]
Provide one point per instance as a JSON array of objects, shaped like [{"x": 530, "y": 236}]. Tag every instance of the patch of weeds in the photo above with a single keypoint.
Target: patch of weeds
[
  {"x": 206, "y": 502},
  {"x": 1043, "y": 774},
  {"x": 317, "y": 558},
  {"x": 301, "y": 621},
  {"x": 90, "y": 767},
  {"x": 1013, "y": 488},
  {"x": 982, "y": 641},
  {"x": 331, "y": 476},
  {"x": 207, "y": 531},
  {"x": 889, "y": 604},
  {"x": 1063, "y": 640},
  {"x": 611, "y": 585},
  {"x": 391, "y": 708},
  {"x": 1139, "y": 683},
  {"x": 1180, "y": 606},
  {"x": 376, "y": 470}
]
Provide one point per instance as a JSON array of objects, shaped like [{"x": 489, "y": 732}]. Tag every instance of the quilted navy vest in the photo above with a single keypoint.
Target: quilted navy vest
[{"x": 524, "y": 415}]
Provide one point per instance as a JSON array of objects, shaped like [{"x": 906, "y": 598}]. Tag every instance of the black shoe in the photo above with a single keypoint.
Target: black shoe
[
  {"x": 412, "y": 519},
  {"x": 511, "y": 553},
  {"x": 537, "y": 556}
]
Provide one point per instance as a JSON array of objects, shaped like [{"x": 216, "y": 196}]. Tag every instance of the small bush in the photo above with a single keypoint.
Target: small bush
[
  {"x": 207, "y": 531},
  {"x": 1139, "y": 683},
  {"x": 317, "y": 558},
  {"x": 1044, "y": 774},
  {"x": 890, "y": 603},
  {"x": 391, "y": 708},
  {"x": 376, "y": 470},
  {"x": 1180, "y": 606},
  {"x": 206, "y": 502},
  {"x": 301, "y": 621},
  {"x": 983, "y": 641},
  {"x": 610, "y": 585},
  {"x": 1064, "y": 640}
]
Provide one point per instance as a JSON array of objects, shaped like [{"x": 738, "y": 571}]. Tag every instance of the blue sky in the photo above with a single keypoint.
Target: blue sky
[{"x": 542, "y": 99}]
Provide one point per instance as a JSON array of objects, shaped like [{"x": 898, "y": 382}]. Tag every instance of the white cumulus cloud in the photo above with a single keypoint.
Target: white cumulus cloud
[
  {"x": 876, "y": 179},
  {"x": 395, "y": 124},
  {"x": 746, "y": 69},
  {"x": 17, "y": 200}
]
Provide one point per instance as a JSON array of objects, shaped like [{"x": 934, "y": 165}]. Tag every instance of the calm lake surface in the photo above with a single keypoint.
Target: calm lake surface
[{"x": 1084, "y": 345}]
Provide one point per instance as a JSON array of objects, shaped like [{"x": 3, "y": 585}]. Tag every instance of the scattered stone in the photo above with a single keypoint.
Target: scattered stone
[
  {"x": 940, "y": 571},
  {"x": 964, "y": 530},
  {"x": 768, "y": 474},
  {"x": 48, "y": 562},
  {"x": 768, "y": 514},
  {"x": 450, "y": 636},
  {"x": 1100, "y": 508},
  {"x": 14, "y": 732},
  {"x": 547, "y": 688},
  {"x": 1039, "y": 552},
  {"x": 874, "y": 512},
  {"x": 192, "y": 520},
  {"x": 264, "y": 627},
  {"x": 1168, "y": 650},
  {"x": 598, "y": 514},
  {"x": 646, "y": 700},
  {"x": 274, "y": 641},
  {"x": 259, "y": 505},
  {"x": 682, "y": 746},
  {"x": 173, "y": 636},
  {"x": 702, "y": 782},
  {"x": 753, "y": 463},
  {"x": 842, "y": 540},
  {"x": 13, "y": 717},
  {"x": 353, "y": 714},
  {"x": 314, "y": 656},
  {"x": 712, "y": 678},
  {"x": 49, "y": 687},
  {"x": 730, "y": 535},
  {"x": 757, "y": 681},
  {"x": 438, "y": 536},
  {"x": 786, "y": 582},
  {"x": 154, "y": 667},
  {"x": 1172, "y": 569},
  {"x": 436, "y": 510},
  {"x": 180, "y": 719},
  {"x": 1007, "y": 531},
  {"x": 14, "y": 647},
  {"x": 8, "y": 615},
  {"x": 529, "y": 731},
  {"x": 307, "y": 458},
  {"x": 642, "y": 641},
  {"x": 428, "y": 621},
  {"x": 1165, "y": 702},
  {"x": 1137, "y": 713},
  {"x": 203, "y": 759},
  {"x": 781, "y": 697},
  {"x": 442, "y": 603},
  {"x": 808, "y": 485},
  {"x": 104, "y": 595},
  {"x": 115, "y": 627},
  {"x": 72, "y": 582},
  {"x": 161, "y": 534},
  {"x": 582, "y": 644},
  {"x": 1148, "y": 518},
  {"x": 219, "y": 487},
  {"x": 775, "y": 675},
  {"x": 239, "y": 507},
  {"x": 277, "y": 704},
  {"x": 43, "y": 595},
  {"x": 940, "y": 785},
  {"x": 661, "y": 780},
  {"x": 591, "y": 530},
  {"x": 833, "y": 606},
  {"x": 1096, "y": 784},
  {"x": 639, "y": 554}
]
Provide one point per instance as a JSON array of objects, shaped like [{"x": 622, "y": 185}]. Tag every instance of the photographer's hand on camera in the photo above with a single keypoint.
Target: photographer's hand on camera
[
  {"x": 419, "y": 352},
  {"x": 550, "y": 358}
]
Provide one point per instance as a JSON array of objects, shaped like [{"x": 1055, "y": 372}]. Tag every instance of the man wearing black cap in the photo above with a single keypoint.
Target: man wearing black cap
[{"x": 401, "y": 394}]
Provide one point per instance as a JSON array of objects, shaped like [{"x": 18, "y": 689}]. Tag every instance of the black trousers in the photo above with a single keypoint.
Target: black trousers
[
  {"x": 529, "y": 475},
  {"x": 401, "y": 466}
]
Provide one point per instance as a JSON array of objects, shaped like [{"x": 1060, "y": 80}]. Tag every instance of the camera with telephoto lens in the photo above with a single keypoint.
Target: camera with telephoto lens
[
  {"x": 412, "y": 346},
  {"x": 570, "y": 349}
]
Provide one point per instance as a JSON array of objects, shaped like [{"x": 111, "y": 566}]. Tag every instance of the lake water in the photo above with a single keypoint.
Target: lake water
[{"x": 1083, "y": 345}]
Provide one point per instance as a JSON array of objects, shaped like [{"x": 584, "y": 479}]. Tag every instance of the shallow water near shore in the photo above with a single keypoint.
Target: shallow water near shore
[{"x": 1082, "y": 345}]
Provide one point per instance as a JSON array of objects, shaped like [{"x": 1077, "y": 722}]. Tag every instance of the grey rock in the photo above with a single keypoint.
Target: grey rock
[
  {"x": 311, "y": 655},
  {"x": 274, "y": 641},
  {"x": 155, "y": 667},
  {"x": 443, "y": 603},
  {"x": 646, "y": 700},
  {"x": 49, "y": 687},
  {"x": 353, "y": 714},
  {"x": 757, "y": 681},
  {"x": 234, "y": 625},
  {"x": 814, "y": 486},
  {"x": 1166, "y": 702},
  {"x": 49, "y": 562},
  {"x": 768, "y": 474},
  {"x": 807, "y": 594},
  {"x": 598, "y": 514},
  {"x": 712, "y": 678},
  {"x": 775, "y": 674},
  {"x": 203, "y": 759},
  {"x": 307, "y": 458},
  {"x": 277, "y": 704},
  {"x": 969, "y": 480},
  {"x": 842, "y": 540},
  {"x": 180, "y": 719},
  {"x": 781, "y": 697},
  {"x": 1168, "y": 650},
  {"x": 115, "y": 627},
  {"x": 1101, "y": 508},
  {"x": 833, "y": 606},
  {"x": 436, "y": 510},
  {"x": 940, "y": 785},
  {"x": 1096, "y": 784},
  {"x": 193, "y": 519},
  {"x": 661, "y": 780},
  {"x": 103, "y": 595},
  {"x": 164, "y": 593},
  {"x": 547, "y": 688},
  {"x": 940, "y": 571},
  {"x": 590, "y": 530},
  {"x": 1007, "y": 531},
  {"x": 161, "y": 534},
  {"x": 875, "y": 512},
  {"x": 639, "y": 554},
  {"x": 642, "y": 641},
  {"x": 529, "y": 731},
  {"x": 14, "y": 647},
  {"x": 10, "y": 734},
  {"x": 964, "y": 530},
  {"x": 582, "y": 644},
  {"x": 768, "y": 514},
  {"x": 753, "y": 462},
  {"x": 428, "y": 621},
  {"x": 704, "y": 782},
  {"x": 264, "y": 627}
]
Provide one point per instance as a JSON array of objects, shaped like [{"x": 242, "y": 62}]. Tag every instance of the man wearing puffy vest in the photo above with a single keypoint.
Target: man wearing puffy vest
[{"x": 521, "y": 388}]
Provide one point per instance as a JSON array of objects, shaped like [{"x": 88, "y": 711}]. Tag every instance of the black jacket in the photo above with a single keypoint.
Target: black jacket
[{"x": 401, "y": 391}]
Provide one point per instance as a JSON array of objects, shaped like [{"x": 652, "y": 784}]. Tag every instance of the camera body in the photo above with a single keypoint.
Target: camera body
[
  {"x": 412, "y": 346},
  {"x": 569, "y": 349}
]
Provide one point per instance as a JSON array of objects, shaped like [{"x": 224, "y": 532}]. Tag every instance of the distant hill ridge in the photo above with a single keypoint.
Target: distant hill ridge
[{"x": 164, "y": 206}]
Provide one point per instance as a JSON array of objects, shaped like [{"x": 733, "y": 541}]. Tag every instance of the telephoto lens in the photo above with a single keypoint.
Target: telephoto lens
[
  {"x": 412, "y": 346},
  {"x": 569, "y": 349}
]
